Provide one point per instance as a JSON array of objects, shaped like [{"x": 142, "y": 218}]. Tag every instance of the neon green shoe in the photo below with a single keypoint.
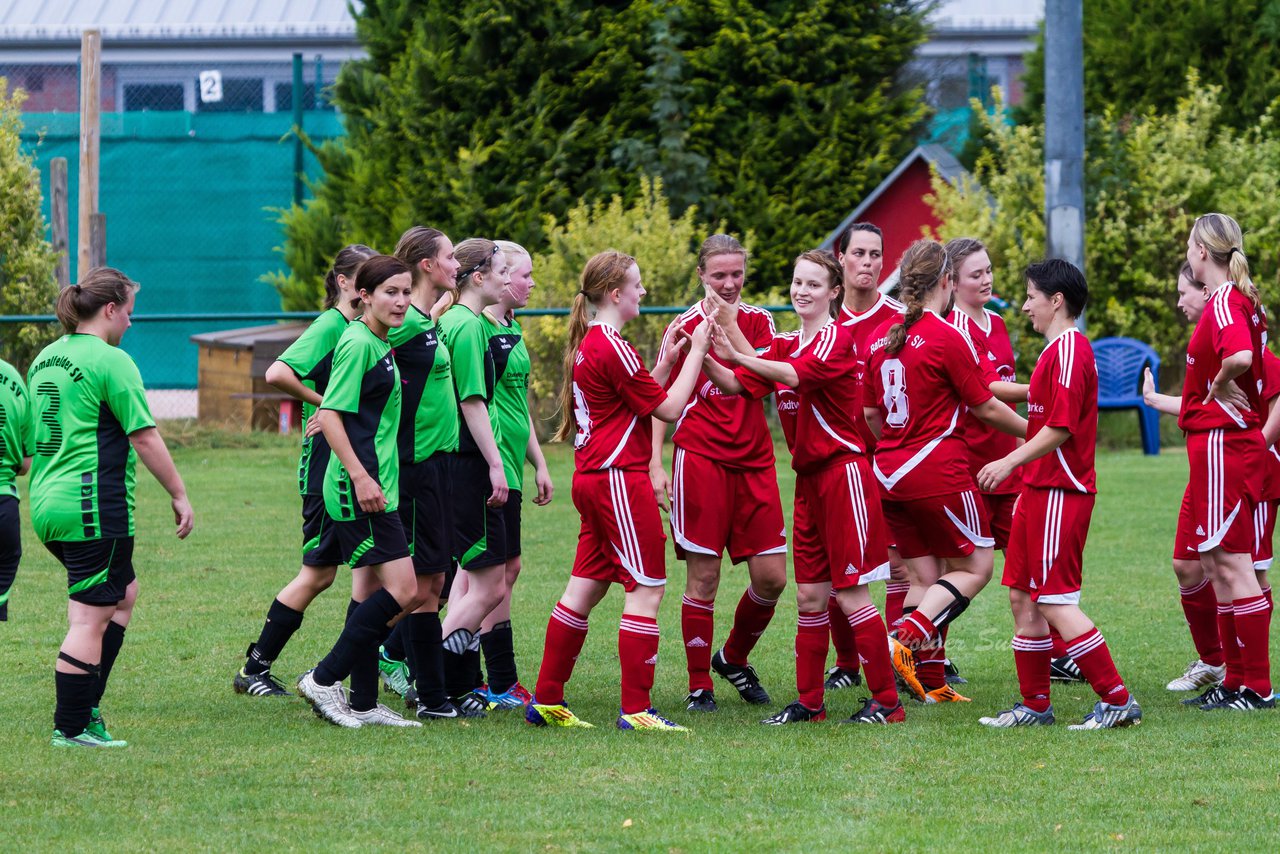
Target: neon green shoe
[
  {"x": 84, "y": 739},
  {"x": 97, "y": 726},
  {"x": 649, "y": 721},
  {"x": 395, "y": 674},
  {"x": 557, "y": 715}
]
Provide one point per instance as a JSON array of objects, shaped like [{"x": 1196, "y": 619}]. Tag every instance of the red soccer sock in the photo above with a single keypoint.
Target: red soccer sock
[
  {"x": 1201, "y": 609},
  {"x": 1059, "y": 645},
  {"x": 916, "y": 630},
  {"x": 638, "y": 653},
  {"x": 873, "y": 640},
  {"x": 895, "y": 594},
  {"x": 811, "y": 656},
  {"x": 930, "y": 666},
  {"x": 842, "y": 637},
  {"x": 1090, "y": 653},
  {"x": 1234, "y": 677},
  {"x": 697, "y": 624},
  {"x": 566, "y": 632},
  {"x": 1031, "y": 658},
  {"x": 749, "y": 622},
  {"x": 1253, "y": 628}
]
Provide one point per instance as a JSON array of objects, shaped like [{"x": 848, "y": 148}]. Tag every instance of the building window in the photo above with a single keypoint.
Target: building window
[
  {"x": 239, "y": 95},
  {"x": 153, "y": 96}
]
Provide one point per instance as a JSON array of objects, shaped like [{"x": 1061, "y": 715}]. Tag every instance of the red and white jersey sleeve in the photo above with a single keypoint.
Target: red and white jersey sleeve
[
  {"x": 1064, "y": 394},
  {"x": 922, "y": 392},
  {"x": 995, "y": 354},
  {"x": 863, "y": 327},
  {"x": 728, "y": 428},
  {"x": 1230, "y": 324},
  {"x": 613, "y": 397},
  {"x": 821, "y": 418}
]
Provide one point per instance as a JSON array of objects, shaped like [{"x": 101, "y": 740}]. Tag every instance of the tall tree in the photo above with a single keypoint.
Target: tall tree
[{"x": 485, "y": 117}]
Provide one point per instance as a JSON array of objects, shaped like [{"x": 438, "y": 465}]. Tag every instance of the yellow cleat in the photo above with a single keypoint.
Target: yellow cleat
[
  {"x": 649, "y": 721},
  {"x": 904, "y": 664},
  {"x": 945, "y": 694},
  {"x": 557, "y": 715}
]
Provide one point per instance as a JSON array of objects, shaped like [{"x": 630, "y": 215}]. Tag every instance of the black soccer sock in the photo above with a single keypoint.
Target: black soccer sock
[
  {"x": 282, "y": 621},
  {"x": 112, "y": 640},
  {"x": 365, "y": 629},
  {"x": 395, "y": 645},
  {"x": 459, "y": 673},
  {"x": 500, "y": 658},
  {"x": 74, "y": 692},
  {"x": 426, "y": 650},
  {"x": 364, "y": 676},
  {"x": 406, "y": 630}
]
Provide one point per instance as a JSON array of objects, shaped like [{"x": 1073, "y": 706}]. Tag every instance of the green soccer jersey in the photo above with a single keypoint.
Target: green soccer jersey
[
  {"x": 429, "y": 417},
  {"x": 311, "y": 358},
  {"x": 365, "y": 387},
  {"x": 510, "y": 409},
  {"x": 16, "y": 427},
  {"x": 88, "y": 398},
  {"x": 467, "y": 337}
]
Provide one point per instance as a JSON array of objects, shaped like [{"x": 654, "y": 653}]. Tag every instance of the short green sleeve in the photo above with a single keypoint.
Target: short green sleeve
[
  {"x": 123, "y": 393},
  {"x": 468, "y": 341},
  {"x": 314, "y": 344},
  {"x": 353, "y": 356}
]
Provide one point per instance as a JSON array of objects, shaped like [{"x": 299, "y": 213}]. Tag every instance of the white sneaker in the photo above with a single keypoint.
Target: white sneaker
[
  {"x": 380, "y": 715},
  {"x": 328, "y": 701},
  {"x": 1107, "y": 716},
  {"x": 1198, "y": 675}
]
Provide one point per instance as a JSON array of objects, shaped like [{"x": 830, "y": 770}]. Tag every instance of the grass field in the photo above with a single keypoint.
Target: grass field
[{"x": 209, "y": 770}]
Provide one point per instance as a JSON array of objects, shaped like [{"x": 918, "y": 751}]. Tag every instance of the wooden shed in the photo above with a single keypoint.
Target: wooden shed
[{"x": 231, "y": 386}]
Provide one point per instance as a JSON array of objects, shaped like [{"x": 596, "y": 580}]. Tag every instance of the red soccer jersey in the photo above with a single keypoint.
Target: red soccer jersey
[
  {"x": 821, "y": 416},
  {"x": 1230, "y": 324},
  {"x": 921, "y": 392},
  {"x": 613, "y": 397},
  {"x": 864, "y": 326},
  {"x": 1271, "y": 388},
  {"x": 728, "y": 428},
  {"x": 1064, "y": 393},
  {"x": 995, "y": 352}
]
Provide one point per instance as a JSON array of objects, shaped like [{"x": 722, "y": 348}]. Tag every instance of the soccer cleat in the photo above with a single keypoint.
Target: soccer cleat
[
  {"x": 1212, "y": 694},
  {"x": 796, "y": 713},
  {"x": 84, "y": 739},
  {"x": 702, "y": 700},
  {"x": 1020, "y": 715},
  {"x": 873, "y": 712},
  {"x": 1110, "y": 716},
  {"x": 380, "y": 715},
  {"x": 394, "y": 674},
  {"x": 740, "y": 676},
  {"x": 841, "y": 677},
  {"x": 904, "y": 665},
  {"x": 553, "y": 715},
  {"x": 444, "y": 712},
  {"x": 97, "y": 726},
  {"x": 1065, "y": 670},
  {"x": 411, "y": 698},
  {"x": 648, "y": 721},
  {"x": 1244, "y": 700},
  {"x": 1198, "y": 675},
  {"x": 526, "y": 697},
  {"x": 258, "y": 684},
  {"x": 328, "y": 701},
  {"x": 471, "y": 705},
  {"x": 953, "y": 673},
  {"x": 945, "y": 694},
  {"x": 507, "y": 700}
]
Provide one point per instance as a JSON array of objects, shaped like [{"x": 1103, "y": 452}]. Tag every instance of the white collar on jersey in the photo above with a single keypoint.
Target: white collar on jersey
[
  {"x": 801, "y": 343},
  {"x": 1060, "y": 335},
  {"x": 855, "y": 318},
  {"x": 602, "y": 323}
]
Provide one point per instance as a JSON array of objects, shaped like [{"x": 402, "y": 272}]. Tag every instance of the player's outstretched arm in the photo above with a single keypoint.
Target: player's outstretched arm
[
  {"x": 1048, "y": 440},
  {"x": 1165, "y": 403},
  {"x": 154, "y": 454},
  {"x": 1010, "y": 392},
  {"x": 1001, "y": 417},
  {"x": 281, "y": 376}
]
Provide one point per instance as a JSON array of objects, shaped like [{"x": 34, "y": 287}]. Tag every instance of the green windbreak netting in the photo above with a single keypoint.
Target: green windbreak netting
[{"x": 186, "y": 198}]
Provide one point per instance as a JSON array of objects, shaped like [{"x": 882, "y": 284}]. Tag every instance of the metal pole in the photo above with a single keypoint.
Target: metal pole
[
  {"x": 1064, "y": 130},
  {"x": 298, "y": 165}
]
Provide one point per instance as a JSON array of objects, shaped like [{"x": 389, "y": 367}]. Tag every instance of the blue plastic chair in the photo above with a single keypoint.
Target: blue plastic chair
[{"x": 1120, "y": 363}]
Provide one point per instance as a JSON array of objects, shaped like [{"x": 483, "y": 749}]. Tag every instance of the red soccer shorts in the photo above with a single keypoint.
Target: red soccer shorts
[
  {"x": 1264, "y": 528},
  {"x": 839, "y": 533},
  {"x": 621, "y": 539},
  {"x": 1184, "y": 541},
  {"x": 714, "y": 508},
  {"x": 1046, "y": 550},
  {"x": 1228, "y": 470},
  {"x": 940, "y": 525},
  {"x": 999, "y": 506}
]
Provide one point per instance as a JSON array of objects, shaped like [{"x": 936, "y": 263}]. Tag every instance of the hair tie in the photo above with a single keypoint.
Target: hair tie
[{"x": 1235, "y": 249}]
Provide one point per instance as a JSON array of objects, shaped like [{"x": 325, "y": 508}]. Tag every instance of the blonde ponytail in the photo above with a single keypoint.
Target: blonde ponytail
[{"x": 921, "y": 271}]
